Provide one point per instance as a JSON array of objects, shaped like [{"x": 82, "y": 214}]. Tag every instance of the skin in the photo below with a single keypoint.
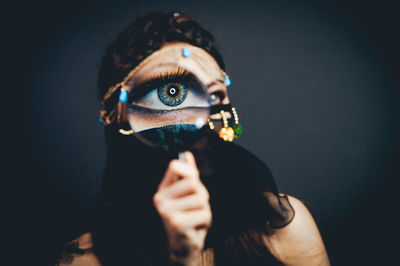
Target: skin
[
  {"x": 299, "y": 243},
  {"x": 182, "y": 200}
]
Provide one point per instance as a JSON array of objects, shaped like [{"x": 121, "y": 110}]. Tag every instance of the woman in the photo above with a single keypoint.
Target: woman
[{"x": 218, "y": 206}]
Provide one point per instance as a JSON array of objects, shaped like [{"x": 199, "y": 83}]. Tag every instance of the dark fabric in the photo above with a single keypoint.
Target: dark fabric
[{"x": 243, "y": 198}]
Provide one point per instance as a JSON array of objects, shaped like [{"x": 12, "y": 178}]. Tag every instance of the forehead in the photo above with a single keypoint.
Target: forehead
[{"x": 169, "y": 58}]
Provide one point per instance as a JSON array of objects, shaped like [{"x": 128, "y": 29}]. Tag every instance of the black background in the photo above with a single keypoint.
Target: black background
[{"x": 316, "y": 86}]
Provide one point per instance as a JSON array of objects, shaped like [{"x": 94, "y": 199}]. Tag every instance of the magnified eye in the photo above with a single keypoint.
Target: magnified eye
[
  {"x": 169, "y": 91},
  {"x": 174, "y": 100},
  {"x": 172, "y": 94}
]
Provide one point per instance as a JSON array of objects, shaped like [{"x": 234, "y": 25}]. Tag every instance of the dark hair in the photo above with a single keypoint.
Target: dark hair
[{"x": 145, "y": 36}]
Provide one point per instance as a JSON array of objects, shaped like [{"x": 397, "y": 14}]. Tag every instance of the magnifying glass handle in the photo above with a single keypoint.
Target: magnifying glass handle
[{"x": 181, "y": 157}]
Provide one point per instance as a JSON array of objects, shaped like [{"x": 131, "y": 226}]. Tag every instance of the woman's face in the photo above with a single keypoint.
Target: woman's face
[{"x": 172, "y": 86}]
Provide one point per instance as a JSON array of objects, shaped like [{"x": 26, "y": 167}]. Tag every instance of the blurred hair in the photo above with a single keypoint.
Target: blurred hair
[{"x": 145, "y": 36}]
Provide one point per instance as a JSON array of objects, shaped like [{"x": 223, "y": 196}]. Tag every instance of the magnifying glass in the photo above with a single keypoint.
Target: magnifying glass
[{"x": 169, "y": 113}]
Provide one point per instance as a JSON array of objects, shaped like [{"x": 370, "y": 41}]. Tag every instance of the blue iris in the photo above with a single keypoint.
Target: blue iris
[{"x": 172, "y": 94}]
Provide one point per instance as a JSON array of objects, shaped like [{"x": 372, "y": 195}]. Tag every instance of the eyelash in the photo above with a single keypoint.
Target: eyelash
[{"x": 178, "y": 76}]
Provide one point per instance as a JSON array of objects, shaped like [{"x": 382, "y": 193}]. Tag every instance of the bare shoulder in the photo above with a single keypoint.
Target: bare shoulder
[
  {"x": 299, "y": 242},
  {"x": 79, "y": 252}
]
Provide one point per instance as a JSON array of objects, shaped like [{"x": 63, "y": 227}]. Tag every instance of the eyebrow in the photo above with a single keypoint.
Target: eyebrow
[
  {"x": 168, "y": 64},
  {"x": 215, "y": 82}
]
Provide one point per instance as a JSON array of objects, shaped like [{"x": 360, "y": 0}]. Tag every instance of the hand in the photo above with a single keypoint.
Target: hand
[{"x": 182, "y": 202}]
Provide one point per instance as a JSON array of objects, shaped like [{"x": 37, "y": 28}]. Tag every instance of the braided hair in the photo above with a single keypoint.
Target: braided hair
[{"x": 145, "y": 36}]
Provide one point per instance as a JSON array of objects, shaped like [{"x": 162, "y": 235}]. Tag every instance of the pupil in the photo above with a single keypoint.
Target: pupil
[{"x": 172, "y": 91}]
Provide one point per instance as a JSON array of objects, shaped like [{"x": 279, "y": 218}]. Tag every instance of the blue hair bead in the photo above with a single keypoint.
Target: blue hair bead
[
  {"x": 186, "y": 52},
  {"x": 123, "y": 96},
  {"x": 100, "y": 120},
  {"x": 228, "y": 82}
]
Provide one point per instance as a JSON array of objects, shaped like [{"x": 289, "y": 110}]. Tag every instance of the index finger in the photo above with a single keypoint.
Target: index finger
[
  {"x": 177, "y": 170},
  {"x": 189, "y": 158}
]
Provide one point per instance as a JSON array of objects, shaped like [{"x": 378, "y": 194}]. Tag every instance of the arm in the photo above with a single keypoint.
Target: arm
[{"x": 299, "y": 242}]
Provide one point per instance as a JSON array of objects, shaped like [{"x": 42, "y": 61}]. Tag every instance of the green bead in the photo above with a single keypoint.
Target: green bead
[{"x": 238, "y": 129}]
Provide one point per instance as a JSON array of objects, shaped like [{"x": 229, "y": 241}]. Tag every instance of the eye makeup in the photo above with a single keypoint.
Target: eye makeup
[
  {"x": 217, "y": 97},
  {"x": 170, "y": 83}
]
